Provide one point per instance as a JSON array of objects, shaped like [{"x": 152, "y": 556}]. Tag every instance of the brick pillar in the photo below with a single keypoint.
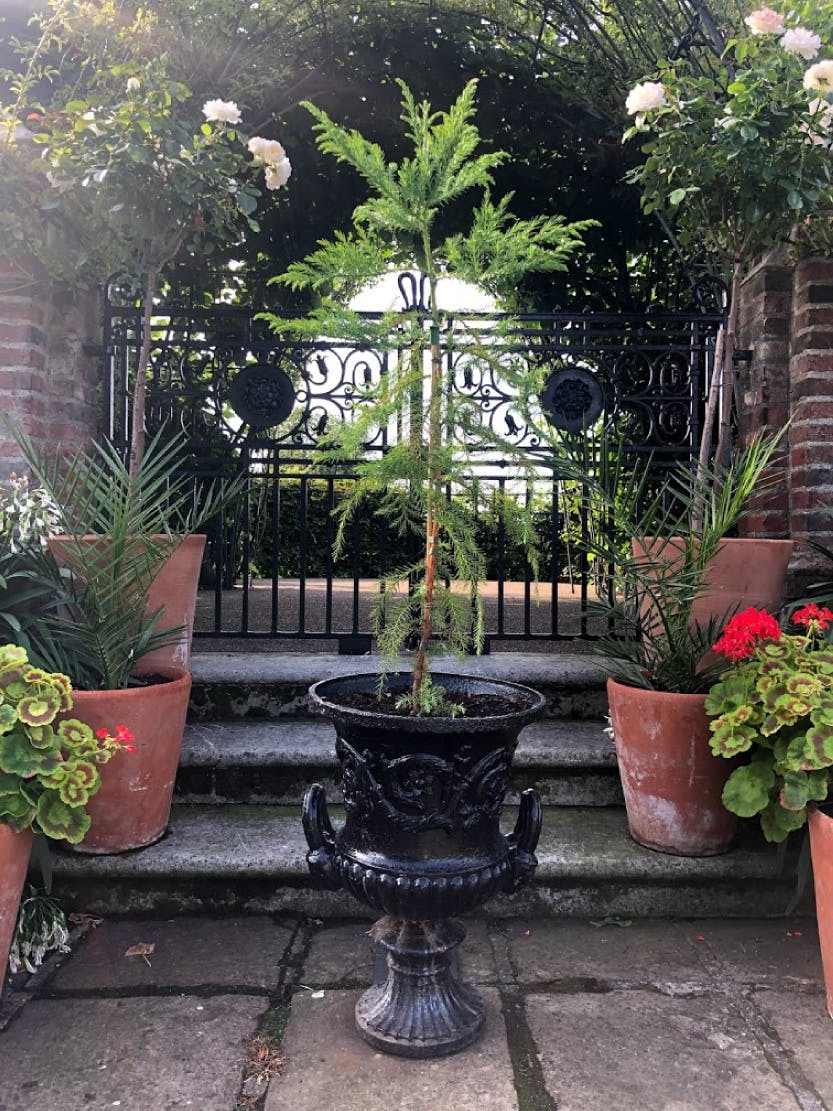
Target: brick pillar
[
  {"x": 48, "y": 365},
  {"x": 811, "y": 405},
  {"x": 764, "y": 381}
]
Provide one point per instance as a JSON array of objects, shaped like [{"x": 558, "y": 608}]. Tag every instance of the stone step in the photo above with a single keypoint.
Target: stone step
[
  {"x": 267, "y": 686},
  {"x": 251, "y": 859},
  {"x": 572, "y": 763}
]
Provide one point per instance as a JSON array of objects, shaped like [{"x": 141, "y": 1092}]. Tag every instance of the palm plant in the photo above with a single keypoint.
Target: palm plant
[
  {"x": 395, "y": 229},
  {"x": 118, "y": 529}
]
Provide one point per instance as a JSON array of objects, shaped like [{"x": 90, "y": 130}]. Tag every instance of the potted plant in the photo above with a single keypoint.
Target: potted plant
[
  {"x": 49, "y": 771},
  {"x": 774, "y": 708},
  {"x": 663, "y": 624},
  {"x": 425, "y": 757},
  {"x": 736, "y": 153},
  {"x": 118, "y": 528}
]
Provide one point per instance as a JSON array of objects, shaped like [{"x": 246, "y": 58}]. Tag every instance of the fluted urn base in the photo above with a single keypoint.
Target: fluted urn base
[{"x": 421, "y": 1009}]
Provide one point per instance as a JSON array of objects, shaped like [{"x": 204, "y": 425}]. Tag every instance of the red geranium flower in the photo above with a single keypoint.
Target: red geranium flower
[
  {"x": 745, "y": 632},
  {"x": 821, "y": 616}
]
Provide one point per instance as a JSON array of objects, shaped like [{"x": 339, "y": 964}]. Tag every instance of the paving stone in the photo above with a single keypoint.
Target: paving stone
[
  {"x": 629, "y": 1049},
  {"x": 328, "y": 1065},
  {"x": 339, "y": 956},
  {"x": 778, "y": 953},
  {"x": 805, "y": 1029},
  {"x": 148, "y": 1054},
  {"x": 542, "y": 951},
  {"x": 342, "y": 956},
  {"x": 234, "y": 952}
]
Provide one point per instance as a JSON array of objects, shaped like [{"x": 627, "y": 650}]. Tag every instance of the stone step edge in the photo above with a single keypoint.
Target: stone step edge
[
  {"x": 303, "y": 669},
  {"x": 267, "y": 842},
  {"x": 549, "y": 744}
]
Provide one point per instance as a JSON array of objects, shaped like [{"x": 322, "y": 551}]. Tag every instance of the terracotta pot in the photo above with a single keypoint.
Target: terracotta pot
[
  {"x": 821, "y": 848},
  {"x": 14, "y": 860},
  {"x": 174, "y": 590},
  {"x": 672, "y": 783},
  {"x": 743, "y": 572},
  {"x": 132, "y": 807}
]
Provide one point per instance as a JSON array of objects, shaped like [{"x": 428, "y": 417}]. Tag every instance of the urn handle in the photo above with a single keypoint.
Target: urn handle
[
  {"x": 320, "y": 835},
  {"x": 524, "y": 839}
]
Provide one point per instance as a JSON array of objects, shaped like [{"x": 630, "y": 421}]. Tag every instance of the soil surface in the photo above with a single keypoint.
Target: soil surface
[{"x": 474, "y": 705}]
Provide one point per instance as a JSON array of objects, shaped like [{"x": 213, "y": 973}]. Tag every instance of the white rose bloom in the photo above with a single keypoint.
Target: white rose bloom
[
  {"x": 644, "y": 97},
  {"x": 820, "y": 133},
  {"x": 266, "y": 150},
  {"x": 820, "y": 76},
  {"x": 277, "y": 173},
  {"x": 800, "y": 41},
  {"x": 226, "y": 111},
  {"x": 764, "y": 21},
  {"x": 133, "y": 84}
]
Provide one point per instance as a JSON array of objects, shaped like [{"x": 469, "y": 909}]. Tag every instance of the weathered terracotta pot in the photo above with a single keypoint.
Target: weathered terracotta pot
[
  {"x": 174, "y": 591},
  {"x": 672, "y": 783},
  {"x": 821, "y": 849},
  {"x": 743, "y": 572},
  {"x": 14, "y": 860},
  {"x": 132, "y": 807}
]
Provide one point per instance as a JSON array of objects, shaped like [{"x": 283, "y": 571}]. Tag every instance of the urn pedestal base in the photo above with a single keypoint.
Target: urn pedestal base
[{"x": 421, "y": 1009}]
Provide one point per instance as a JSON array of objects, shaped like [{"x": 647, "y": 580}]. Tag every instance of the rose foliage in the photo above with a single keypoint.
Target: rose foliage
[{"x": 775, "y": 703}]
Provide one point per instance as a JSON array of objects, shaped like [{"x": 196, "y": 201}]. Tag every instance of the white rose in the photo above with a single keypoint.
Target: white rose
[
  {"x": 226, "y": 111},
  {"x": 133, "y": 84},
  {"x": 277, "y": 173},
  {"x": 764, "y": 21},
  {"x": 644, "y": 97},
  {"x": 819, "y": 134},
  {"x": 800, "y": 41},
  {"x": 266, "y": 150},
  {"x": 820, "y": 76}
]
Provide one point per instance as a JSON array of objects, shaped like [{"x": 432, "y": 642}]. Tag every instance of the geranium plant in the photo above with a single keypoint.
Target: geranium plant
[
  {"x": 775, "y": 703},
  {"x": 49, "y": 768},
  {"x": 736, "y": 153}
]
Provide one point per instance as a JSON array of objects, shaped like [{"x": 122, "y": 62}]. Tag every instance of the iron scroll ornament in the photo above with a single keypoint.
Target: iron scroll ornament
[
  {"x": 262, "y": 395},
  {"x": 572, "y": 399}
]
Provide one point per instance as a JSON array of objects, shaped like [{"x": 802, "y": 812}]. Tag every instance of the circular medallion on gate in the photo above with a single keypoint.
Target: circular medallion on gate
[
  {"x": 262, "y": 395},
  {"x": 572, "y": 399}
]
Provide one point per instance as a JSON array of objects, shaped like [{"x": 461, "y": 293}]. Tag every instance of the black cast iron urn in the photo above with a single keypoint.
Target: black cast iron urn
[{"x": 421, "y": 843}]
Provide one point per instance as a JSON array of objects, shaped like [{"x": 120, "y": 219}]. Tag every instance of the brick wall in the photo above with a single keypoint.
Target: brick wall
[
  {"x": 48, "y": 370},
  {"x": 787, "y": 323}
]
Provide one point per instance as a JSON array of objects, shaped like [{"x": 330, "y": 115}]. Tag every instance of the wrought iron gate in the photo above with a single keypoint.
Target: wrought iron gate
[{"x": 255, "y": 404}]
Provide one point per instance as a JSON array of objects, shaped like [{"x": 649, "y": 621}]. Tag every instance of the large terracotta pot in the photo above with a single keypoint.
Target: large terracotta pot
[
  {"x": 743, "y": 572},
  {"x": 821, "y": 849},
  {"x": 174, "y": 591},
  {"x": 132, "y": 807},
  {"x": 14, "y": 860},
  {"x": 672, "y": 783}
]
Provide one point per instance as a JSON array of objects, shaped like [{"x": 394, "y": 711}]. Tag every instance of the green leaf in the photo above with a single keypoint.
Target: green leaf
[
  {"x": 795, "y": 200},
  {"x": 747, "y": 789},
  {"x": 18, "y": 757},
  {"x": 246, "y": 203},
  {"x": 58, "y": 820}
]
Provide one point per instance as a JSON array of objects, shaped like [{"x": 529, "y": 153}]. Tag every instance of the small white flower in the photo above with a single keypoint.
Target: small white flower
[
  {"x": 133, "y": 84},
  {"x": 800, "y": 41},
  {"x": 764, "y": 21},
  {"x": 266, "y": 150},
  {"x": 644, "y": 97},
  {"x": 226, "y": 111},
  {"x": 820, "y": 76},
  {"x": 277, "y": 173}
]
